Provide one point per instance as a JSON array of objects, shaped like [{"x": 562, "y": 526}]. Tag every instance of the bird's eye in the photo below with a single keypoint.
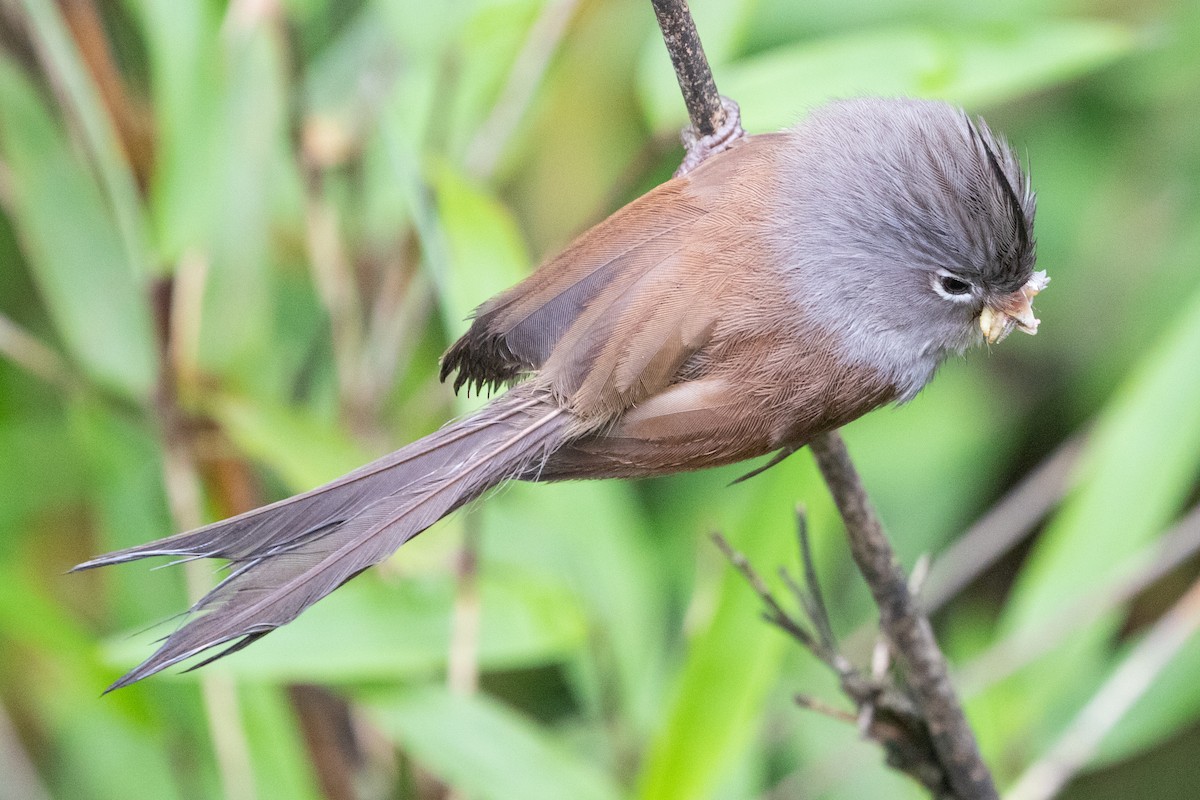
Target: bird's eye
[{"x": 952, "y": 285}]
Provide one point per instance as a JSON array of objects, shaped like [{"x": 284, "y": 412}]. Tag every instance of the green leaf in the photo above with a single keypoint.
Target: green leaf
[
  {"x": 224, "y": 176},
  {"x": 248, "y": 186},
  {"x": 34, "y": 619},
  {"x": 40, "y": 471},
  {"x": 1140, "y": 466},
  {"x": 488, "y": 752},
  {"x": 283, "y": 768},
  {"x": 303, "y": 450},
  {"x": 127, "y": 500},
  {"x": 487, "y": 47},
  {"x": 970, "y": 65},
  {"x": 485, "y": 249},
  {"x": 733, "y": 657},
  {"x": 73, "y": 245},
  {"x": 1119, "y": 503},
  {"x": 99, "y": 751},
  {"x": 594, "y": 540},
  {"x": 1169, "y": 706},
  {"x": 66, "y": 67},
  {"x": 181, "y": 45}
]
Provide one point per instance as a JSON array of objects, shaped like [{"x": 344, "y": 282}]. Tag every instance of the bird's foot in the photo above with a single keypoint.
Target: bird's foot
[{"x": 700, "y": 148}]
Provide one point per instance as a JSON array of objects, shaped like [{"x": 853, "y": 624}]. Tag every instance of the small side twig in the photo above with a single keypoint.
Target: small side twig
[
  {"x": 884, "y": 713},
  {"x": 181, "y": 474},
  {"x": 775, "y": 614}
]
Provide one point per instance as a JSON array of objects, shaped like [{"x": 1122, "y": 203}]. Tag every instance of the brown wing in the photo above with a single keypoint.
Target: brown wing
[
  {"x": 611, "y": 319},
  {"x": 515, "y": 332},
  {"x": 669, "y": 339}
]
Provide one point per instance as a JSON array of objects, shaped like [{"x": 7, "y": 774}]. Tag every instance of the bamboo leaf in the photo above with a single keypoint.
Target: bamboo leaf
[
  {"x": 372, "y": 630},
  {"x": 968, "y": 65},
  {"x": 73, "y": 245},
  {"x": 488, "y": 752}
]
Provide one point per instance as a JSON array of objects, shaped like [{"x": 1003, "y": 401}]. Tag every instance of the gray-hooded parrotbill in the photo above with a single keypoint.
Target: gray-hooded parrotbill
[{"x": 780, "y": 289}]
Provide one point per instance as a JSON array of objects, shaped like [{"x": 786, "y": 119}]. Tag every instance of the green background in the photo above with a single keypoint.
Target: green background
[{"x": 321, "y": 191}]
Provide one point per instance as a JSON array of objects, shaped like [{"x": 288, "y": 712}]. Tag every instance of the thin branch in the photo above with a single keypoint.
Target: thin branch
[
  {"x": 691, "y": 66},
  {"x": 905, "y": 625},
  {"x": 901, "y": 620},
  {"x": 774, "y": 613},
  {"x": 716, "y": 120},
  {"x": 818, "y": 610},
  {"x": 1127, "y": 684},
  {"x": 823, "y": 708},
  {"x": 884, "y": 713}
]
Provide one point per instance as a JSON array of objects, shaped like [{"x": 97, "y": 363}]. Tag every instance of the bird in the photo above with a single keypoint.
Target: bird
[{"x": 778, "y": 290}]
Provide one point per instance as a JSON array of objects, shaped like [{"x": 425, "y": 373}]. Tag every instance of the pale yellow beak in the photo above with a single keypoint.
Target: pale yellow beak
[{"x": 1012, "y": 311}]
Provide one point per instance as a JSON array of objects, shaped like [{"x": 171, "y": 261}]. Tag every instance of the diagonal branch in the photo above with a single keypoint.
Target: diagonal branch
[{"x": 904, "y": 624}]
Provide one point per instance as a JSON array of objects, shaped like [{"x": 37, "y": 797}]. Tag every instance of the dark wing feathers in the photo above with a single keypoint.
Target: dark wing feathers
[
  {"x": 632, "y": 340},
  {"x": 516, "y": 332},
  {"x": 610, "y": 320}
]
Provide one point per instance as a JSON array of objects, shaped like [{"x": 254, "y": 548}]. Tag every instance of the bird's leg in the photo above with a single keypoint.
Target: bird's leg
[{"x": 699, "y": 148}]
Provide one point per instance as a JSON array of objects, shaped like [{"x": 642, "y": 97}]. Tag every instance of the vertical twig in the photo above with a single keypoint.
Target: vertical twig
[
  {"x": 463, "y": 662},
  {"x": 691, "y": 66},
  {"x": 902, "y": 621},
  {"x": 21, "y": 778},
  {"x": 327, "y": 724}
]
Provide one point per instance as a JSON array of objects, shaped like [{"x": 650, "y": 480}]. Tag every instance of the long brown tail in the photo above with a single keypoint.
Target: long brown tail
[{"x": 290, "y": 554}]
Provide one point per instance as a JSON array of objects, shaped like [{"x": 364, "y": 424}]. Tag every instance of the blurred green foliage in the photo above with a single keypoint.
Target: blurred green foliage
[{"x": 320, "y": 191}]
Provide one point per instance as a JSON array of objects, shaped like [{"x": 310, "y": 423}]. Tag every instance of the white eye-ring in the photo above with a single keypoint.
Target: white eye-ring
[{"x": 952, "y": 287}]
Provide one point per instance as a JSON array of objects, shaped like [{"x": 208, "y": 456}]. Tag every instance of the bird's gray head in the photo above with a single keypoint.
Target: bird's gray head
[{"x": 912, "y": 229}]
